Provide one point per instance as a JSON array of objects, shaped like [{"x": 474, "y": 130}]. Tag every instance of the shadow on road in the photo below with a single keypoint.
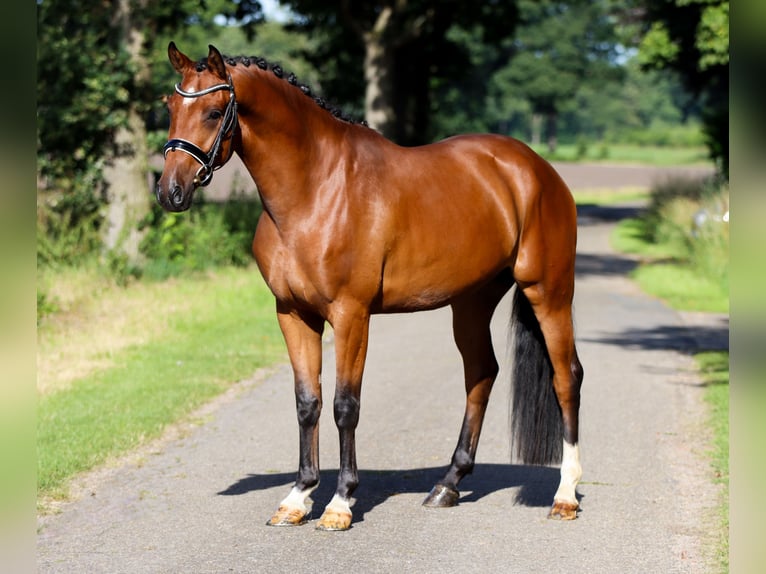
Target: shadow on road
[
  {"x": 683, "y": 338},
  {"x": 604, "y": 264},
  {"x": 536, "y": 484},
  {"x": 591, "y": 214},
  {"x": 590, "y": 264}
]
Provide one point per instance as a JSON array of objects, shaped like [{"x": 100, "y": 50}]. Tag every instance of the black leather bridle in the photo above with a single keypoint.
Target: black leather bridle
[{"x": 228, "y": 126}]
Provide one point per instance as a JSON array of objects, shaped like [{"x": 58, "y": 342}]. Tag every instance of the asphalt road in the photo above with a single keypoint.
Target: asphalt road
[{"x": 198, "y": 500}]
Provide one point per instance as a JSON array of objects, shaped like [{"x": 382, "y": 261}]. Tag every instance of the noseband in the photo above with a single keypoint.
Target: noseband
[{"x": 228, "y": 125}]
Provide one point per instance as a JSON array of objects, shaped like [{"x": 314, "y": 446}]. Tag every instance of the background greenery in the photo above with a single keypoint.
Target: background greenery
[{"x": 578, "y": 75}]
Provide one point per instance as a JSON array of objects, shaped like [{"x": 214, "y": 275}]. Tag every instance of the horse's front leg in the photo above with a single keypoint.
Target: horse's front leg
[
  {"x": 351, "y": 334},
  {"x": 303, "y": 335}
]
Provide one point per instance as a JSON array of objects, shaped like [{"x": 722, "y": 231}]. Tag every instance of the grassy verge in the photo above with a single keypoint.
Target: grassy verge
[
  {"x": 190, "y": 338},
  {"x": 609, "y": 196},
  {"x": 714, "y": 367},
  {"x": 625, "y": 153},
  {"x": 686, "y": 265},
  {"x": 665, "y": 274},
  {"x": 683, "y": 262}
]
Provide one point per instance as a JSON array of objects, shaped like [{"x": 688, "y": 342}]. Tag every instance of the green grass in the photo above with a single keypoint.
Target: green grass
[
  {"x": 224, "y": 331},
  {"x": 664, "y": 272},
  {"x": 630, "y": 154},
  {"x": 714, "y": 367},
  {"x": 682, "y": 287},
  {"x": 610, "y": 197},
  {"x": 633, "y": 236}
]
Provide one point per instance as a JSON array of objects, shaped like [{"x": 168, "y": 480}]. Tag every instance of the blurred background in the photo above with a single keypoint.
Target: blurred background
[{"x": 606, "y": 81}]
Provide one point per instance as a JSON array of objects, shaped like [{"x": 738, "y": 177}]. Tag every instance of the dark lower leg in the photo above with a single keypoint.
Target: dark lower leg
[
  {"x": 571, "y": 413},
  {"x": 445, "y": 493},
  {"x": 337, "y": 514},
  {"x": 351, "y": 333},
  {"x": 470, "y": 319},
  {"x": 346, "y": 411},
  {"x": 309, "y": 407}
]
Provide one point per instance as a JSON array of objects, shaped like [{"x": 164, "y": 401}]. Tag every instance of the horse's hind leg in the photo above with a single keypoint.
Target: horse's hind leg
[
  {"x": 471, "y": 317},
  {"x": 555, "y": 319}
]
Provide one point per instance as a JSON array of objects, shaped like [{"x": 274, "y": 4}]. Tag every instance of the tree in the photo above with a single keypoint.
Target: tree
[
  {"x": 691, "y": 38},
  {"x": 126, "y": 171},
  {"x": 83, "y": 94},
  {"x": 400, "y": 46},
  {"x": 559, "y": 47},
  {"x": 94, "y": 91}
]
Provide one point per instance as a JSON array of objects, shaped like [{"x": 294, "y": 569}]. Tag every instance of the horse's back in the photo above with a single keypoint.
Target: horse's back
[{"x": 457, "y": 211}]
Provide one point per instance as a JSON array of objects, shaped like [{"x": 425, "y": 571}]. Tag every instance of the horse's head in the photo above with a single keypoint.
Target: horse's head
[{"x": 203, "y": 116}]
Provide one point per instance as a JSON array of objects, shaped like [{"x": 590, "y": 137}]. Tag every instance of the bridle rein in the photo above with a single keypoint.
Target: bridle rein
[{"x": 228, "y": 126}]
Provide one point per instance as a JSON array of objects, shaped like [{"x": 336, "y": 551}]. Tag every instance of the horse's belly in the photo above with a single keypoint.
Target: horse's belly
[{"x": 431, "y": 284}]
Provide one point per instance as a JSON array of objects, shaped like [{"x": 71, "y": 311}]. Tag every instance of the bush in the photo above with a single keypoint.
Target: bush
[
  {"x": 693, "y": 217},
  {"x": 663, "y": 135},
  {"x": 69, "y": 223},
  {"x": 209, "y": 235}
]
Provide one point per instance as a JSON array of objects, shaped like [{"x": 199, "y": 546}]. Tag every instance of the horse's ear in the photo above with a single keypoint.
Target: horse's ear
[
  {"x": 215, "y": 62},
  {"x": 180, "y": 61}
]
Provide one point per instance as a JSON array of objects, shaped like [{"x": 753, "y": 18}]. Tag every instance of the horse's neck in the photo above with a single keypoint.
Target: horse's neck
[{"x": 286, "y": 144}]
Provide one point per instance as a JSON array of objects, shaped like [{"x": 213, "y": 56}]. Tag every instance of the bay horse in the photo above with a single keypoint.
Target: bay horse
[{"x": 354, "y": 224}]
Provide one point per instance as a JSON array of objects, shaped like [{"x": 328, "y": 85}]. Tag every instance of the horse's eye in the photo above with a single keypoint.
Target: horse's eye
[{"x": 215, "y": 115}]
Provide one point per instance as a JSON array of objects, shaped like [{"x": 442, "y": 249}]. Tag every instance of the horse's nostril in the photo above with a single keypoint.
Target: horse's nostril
[{"x": 176, "y": 196}]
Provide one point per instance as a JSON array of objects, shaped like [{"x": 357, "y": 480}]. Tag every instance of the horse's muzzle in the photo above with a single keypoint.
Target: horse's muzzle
[{"x": 174, "y": 199}]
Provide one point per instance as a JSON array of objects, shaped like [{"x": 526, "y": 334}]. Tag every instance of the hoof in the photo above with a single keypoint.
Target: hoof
[
  {"x": 333, "y": 520},
  {"x": 285, "y": 516},
  {"x": 441, "y": 496},
  {"x": 564, "y": 511}
]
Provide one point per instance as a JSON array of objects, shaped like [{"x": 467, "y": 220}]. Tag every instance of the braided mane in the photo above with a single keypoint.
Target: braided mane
[{"x": 290, "y": 78}]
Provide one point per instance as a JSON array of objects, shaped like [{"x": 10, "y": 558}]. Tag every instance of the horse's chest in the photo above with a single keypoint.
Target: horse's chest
[
  {"x": 287, "y": 276},
  {"x": 289, "y": 270},
  {"x": 318, "y": 269}
]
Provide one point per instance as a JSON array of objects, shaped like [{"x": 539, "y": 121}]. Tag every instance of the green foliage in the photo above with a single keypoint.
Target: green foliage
[
  {"x": 713, "y": 36},
  {"x": 682, "y": 287},
  {"x": 691, "y": 38},
  {"x": 426, "y": 67},
  {"x": 657, "y": 48},
  {"x": 559, "y": 48},
  {"x": 69, "y": 222},
  {"x": 513, "y": 85},
  {"x": 684, "y": 238},
  {"x": 84, "y": 85},
  {"x": 45, "y": 305},
  {"x": 603, "y": 151},
  {"x": 694, "y": 217},
  {"x": 207, "y": 236}
]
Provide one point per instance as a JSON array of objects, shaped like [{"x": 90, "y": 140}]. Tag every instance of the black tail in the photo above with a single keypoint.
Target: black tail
[{"x": 537, "y": 430}]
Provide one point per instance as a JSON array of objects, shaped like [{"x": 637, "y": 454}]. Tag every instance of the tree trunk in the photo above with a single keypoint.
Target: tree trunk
[
  {"x": 537, "y": 128},
  {"x": 128, "y": 189},
  {"x": 378, "y": 74},
  {"x": 551, "y": 131},
  {"x": 127, "y": 172}
]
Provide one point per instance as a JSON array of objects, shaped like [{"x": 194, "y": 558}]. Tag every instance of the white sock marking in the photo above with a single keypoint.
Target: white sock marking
[{"x": 571, "y": 473}]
